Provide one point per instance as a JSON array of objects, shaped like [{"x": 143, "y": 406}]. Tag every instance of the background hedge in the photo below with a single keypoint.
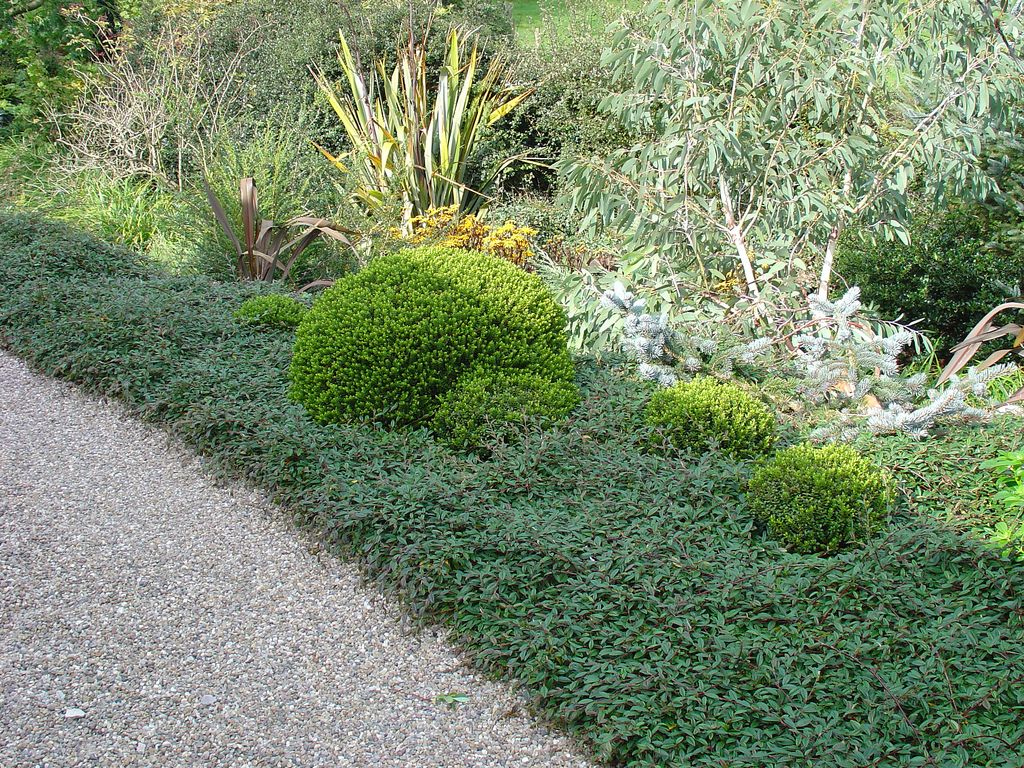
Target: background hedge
[{"x": 954, "y": 270}]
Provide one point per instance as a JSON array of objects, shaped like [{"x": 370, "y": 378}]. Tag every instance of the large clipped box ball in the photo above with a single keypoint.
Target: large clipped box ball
[{"x": 386, "y": 343}]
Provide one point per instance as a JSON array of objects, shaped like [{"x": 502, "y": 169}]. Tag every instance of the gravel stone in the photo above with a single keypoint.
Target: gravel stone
[{"x": 153, "y": 618}]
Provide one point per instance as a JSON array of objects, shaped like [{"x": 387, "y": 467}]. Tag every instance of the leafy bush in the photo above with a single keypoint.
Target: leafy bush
[
  {"x": 493, "y": 403},
  {"x": 948, "y": 276},
  {"x": 35, "y": 248},
  {"x": 274, "y": 309},
  {"x": 283, "y": 39},
  {"x": 389, "y": 340},
  {"x": 694, "y": 415},
  {"x": 1009, "y": 532},
  {"x": 560, "y": 120},
  {"x": 45, "y": 49},
  {"x": 819, "y": 499},
  {"x": 715, "y": 90}
]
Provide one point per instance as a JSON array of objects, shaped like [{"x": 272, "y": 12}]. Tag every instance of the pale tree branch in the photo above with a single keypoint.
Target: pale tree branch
[
  {"x": 20, "y": 10},
  {"x": 735, "y": 233}
]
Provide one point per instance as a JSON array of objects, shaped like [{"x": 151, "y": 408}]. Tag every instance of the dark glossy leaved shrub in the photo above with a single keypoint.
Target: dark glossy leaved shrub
[
  {"x": 493, "y": 403},
  {"x": 695, "y": 415},
  {"x": 596, "y": 573},
  {"x": 35, "y": 248},
  {"x": 953, "y": 271},
  {"x": 274, "y": 310},
  {"x": 819, "y": 499},
  {"x": 390, "y": 340},
  {"x": 561, "y": 119}
]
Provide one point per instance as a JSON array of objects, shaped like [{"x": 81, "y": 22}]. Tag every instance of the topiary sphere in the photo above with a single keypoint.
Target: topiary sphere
[
  {"x": 695, "y": 414},
  {"x": 819, "y": 499},
  {"x": 390, "y": 340},
  {"x": 497, "y": 401},
  {"x": 273, "y": 310}
]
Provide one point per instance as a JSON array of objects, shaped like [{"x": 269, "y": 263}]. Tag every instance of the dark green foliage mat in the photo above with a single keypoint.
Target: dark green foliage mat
[{"x": 627, "y": 590}]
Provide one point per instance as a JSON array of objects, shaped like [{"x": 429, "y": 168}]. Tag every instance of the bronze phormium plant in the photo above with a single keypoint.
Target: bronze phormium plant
[
  {"x": 987, "y": 330},
  {"x": 267, "y": 250},
  {"x": 408, "y": 143}
]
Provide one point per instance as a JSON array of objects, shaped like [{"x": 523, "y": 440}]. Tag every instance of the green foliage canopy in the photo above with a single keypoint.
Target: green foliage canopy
[
  {"x": 45, "y": 47},
  {"x": 771, "y": 125}
]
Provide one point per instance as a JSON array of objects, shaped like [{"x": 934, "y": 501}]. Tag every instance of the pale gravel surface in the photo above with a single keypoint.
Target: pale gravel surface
[{"x": 194, "y": 627}]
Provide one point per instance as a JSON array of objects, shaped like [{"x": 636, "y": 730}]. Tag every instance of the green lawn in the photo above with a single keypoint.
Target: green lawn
[{"x": 534, "y": 17}]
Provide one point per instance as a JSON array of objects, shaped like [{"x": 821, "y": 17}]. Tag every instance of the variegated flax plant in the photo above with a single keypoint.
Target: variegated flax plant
[{"x": 405, "y": 143}]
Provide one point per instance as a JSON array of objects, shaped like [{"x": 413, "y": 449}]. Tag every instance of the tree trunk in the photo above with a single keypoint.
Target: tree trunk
[
  {"x": 31, "y": 5},
  {"x": 738, "y": 241}
]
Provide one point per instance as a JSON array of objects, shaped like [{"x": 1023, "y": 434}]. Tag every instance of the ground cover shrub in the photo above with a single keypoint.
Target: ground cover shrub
[
  {"x": 819, "y": 499},
  {"x": 705, "y": 412},
  {"x": 273, "y": 310},
  {"x": 34, "y": 247},
  {"x": 947, "y": 277},
  {"x": 940, "y": 477},
  {"x": 625, "y": 590},
  {"x": 485, "y": 405},
  {"x": 388, "y": 341}
]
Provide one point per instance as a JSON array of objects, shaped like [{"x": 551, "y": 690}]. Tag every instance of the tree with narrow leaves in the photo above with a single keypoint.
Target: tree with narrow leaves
[{"x": 771, "y": 126}]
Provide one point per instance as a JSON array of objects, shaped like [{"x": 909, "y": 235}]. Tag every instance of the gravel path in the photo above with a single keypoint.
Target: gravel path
[{"x": 151, "y": 618}]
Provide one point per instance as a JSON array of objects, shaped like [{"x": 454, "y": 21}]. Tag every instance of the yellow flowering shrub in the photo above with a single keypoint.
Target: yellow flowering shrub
[
  {"x": 443, "y": 226},
  {"x": 510, "y": 241}
]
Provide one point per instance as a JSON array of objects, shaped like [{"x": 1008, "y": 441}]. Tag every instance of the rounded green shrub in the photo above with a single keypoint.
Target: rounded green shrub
[
  {"x": 494, "y": 402},
  {"x": 390, "y": 340},
  {"x": 274, "y": 309},
  {"x": 695, "y": 414},
  {"x": 818, "y": 499}
]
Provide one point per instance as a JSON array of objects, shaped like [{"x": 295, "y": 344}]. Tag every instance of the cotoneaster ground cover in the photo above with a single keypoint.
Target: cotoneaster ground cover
[{"x": 626, "y": 587}]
